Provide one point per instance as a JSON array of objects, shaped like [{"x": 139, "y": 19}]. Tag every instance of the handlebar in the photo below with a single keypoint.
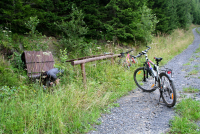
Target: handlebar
[
  {"x": 143, "y": 52},
  {"x": 140, "y": 54},
  {"x": 122, "y": 54}
]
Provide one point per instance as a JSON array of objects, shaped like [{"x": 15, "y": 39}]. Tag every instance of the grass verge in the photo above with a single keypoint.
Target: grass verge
[{"x": 188, "y": 113}]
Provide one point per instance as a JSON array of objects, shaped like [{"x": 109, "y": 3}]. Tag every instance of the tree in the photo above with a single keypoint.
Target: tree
[
  {"x": 73, "y": 32},
  {"x": 129, "y": 20},
  {"x": 15, "y": 13}
]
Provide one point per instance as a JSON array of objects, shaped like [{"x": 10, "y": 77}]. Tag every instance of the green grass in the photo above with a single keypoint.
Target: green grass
[
  {"x": 197, "y": 56},
  {"x": 193, "y": 72},
  {"x": 72, "y": 108},
  {"x": 196, "y": 66},
  {"x": 198, "y": 49},
  {"x": 188, "y": 112},
  {"x": 190, "y": 90},
  {"x": 187, "y": 64},
  {"x": 191, "y": 59}
]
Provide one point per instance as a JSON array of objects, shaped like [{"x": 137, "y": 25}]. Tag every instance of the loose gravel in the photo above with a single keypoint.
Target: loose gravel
[{"x": 140, "y": 113}]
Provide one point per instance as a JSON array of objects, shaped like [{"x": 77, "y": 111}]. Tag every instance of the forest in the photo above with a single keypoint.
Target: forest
[{"x": 121, "y": 21}]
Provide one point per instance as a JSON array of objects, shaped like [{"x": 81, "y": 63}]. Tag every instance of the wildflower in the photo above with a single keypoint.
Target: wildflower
[
  {"x": 10, "y": 31},
  {"x": 4, "y": 31}
]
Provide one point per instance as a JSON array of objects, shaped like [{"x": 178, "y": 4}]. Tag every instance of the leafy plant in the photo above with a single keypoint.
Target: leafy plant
[
  {"x": 7, "y": 75},
  {"x": 32, "y": 24},
  {"x": 73, "y": 32},
  {"x": 6, "y": 92}
]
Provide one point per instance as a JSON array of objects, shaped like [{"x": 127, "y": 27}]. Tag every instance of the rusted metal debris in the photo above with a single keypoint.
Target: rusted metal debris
[{"x": 37, "y": 62}]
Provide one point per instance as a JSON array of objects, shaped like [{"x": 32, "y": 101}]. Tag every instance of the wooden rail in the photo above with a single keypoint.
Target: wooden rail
[{"x": 82, "y": 62}]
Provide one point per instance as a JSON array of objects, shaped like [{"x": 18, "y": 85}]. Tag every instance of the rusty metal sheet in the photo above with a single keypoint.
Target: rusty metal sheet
[{"x": 38, "y": 62}]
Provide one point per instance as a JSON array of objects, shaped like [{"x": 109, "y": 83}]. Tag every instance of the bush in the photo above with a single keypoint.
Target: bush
[
  {"x": 73, "y": 33},
  {"x": 7, "y": 76}
]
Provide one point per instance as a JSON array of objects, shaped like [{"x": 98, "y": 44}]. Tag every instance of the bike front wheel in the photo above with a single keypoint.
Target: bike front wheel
[
  {"x": 168, "y": 90},
  {"x": 143, "y": 80}
]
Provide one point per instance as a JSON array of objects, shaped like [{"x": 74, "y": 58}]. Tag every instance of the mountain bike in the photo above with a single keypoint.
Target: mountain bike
[
  {"x": 128, "y": 60},
  {"x": 149, "y": 79}
]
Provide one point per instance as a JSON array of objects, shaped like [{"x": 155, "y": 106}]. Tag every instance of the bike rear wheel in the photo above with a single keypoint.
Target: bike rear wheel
[
  {"x": 143, "y": 80},
  {"x": 168, "y": 90},
  {"x": 124, "y": 63}
]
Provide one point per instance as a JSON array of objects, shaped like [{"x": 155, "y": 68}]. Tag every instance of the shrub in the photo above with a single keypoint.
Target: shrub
[{"x": 7, "y": 76}]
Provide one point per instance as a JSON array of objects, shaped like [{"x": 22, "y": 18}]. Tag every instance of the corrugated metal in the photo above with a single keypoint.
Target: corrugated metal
[{"x": 37, "y": 62}]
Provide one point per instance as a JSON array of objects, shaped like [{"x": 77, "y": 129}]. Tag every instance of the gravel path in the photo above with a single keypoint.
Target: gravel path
[{"x": 139, "y": 112}]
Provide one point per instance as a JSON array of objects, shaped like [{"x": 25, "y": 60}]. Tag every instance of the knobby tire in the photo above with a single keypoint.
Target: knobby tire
[
  {"x": 141, "y": 80},
  {"x": 169, "y": 92}
]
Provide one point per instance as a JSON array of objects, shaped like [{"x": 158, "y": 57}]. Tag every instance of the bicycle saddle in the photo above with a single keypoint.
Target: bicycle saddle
[{"x": 158, "y": 59}]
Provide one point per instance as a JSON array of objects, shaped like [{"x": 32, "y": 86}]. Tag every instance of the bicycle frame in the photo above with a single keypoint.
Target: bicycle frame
[{"x": 155, "y": 67}]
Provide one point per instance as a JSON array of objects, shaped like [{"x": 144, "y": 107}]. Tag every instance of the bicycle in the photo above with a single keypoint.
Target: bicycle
[
  {"x": 129, "y": 59},
  {"x": 149, "y": 79}
]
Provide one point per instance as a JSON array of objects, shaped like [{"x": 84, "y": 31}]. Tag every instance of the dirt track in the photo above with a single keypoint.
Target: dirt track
[{"x": 139, "y": 112}]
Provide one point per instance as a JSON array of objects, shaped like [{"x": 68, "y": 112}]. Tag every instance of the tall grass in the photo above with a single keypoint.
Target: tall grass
[{"x": 71, "y": 108}]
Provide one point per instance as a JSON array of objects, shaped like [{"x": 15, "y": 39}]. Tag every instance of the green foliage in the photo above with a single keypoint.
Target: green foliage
[
  {"x": 6, "y": 38},
  {"x": 7, "y": 75},
  {"x": 15, "y": 13},
  {"x": 129, "y": 21},
  {"x": 183, "y": 126},
  {"x": 32, "y": 24},
  {"x": 195, "y": 11},
  {"x": 172, "y": 14},
  {"x": 36, "y": 41},
  {"x": 63, "y": 56},
  {"x": 117, "y": 20},
  {"x": 188, "y": 111},
  {"x": 73, "y": 32},
  {"x": 8, "y": 92}
]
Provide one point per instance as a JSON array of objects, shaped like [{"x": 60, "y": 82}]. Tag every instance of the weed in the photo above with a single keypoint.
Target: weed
[
  {"x": 196, "y": 66},
  {"x": 197, "y": 56},
  {"x": 191, "y": 59},
  {"x": 190, "y": 90},
  {"x": 186, "y": 64},
  {"x": 193, "y": 72},
  {"x": 198, "y": 50}
]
